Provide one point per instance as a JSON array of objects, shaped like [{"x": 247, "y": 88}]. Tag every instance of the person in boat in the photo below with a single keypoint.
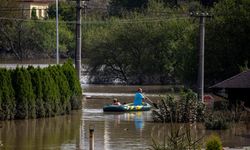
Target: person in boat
[
  {"x": 116, "y": 102},
  {"x": 138, "y": 97}
]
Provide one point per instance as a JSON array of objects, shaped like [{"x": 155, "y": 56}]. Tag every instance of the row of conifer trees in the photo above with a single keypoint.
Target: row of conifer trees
[{"x": 36, "y": 92}]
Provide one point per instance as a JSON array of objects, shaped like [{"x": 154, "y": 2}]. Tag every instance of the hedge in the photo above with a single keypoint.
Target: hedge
[
  {"x": 75, "y": 88},
  {"x": 7, "y": 96},
  {"x": 35, "y": 92}
]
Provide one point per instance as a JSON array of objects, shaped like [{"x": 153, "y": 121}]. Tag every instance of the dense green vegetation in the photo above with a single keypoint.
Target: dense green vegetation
[
  {"x": 74, "y": 85},
  {"x": 158, "y": 45},
  {"x": 141, "y": 42},
  {"x": 145, "y": 48},
  {"x": 178, "y": 137},
  {"x": 33, "y": 38},
  {"x": 214, "y": 143},
  {"x": 66, "y": 10},
  {"x": 35, "y": 92},
  {"x": 7, "y": 96},
  {"x": 185, "y": 109},
  {"x": 227, "y": 42}
]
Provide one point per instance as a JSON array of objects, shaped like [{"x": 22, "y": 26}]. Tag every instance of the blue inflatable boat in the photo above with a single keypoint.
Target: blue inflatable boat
[{"x": 126, "y": 107}]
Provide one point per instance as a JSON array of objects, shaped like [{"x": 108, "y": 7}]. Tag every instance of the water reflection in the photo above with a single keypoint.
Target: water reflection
[
  {"x": 49, "y": 133},
  {"x": 113, "y": 131},
  {"x": 137, "y": 117},
  {"x": 116, "y": 130},
  {"x": 135, "y": 130},
  {"x": 117, "y": 117},
  {"x": 139, "y": 122}
]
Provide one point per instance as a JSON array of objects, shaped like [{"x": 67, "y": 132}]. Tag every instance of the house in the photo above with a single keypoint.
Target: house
[
  {"x": 236, "y": 88},
  {"x": 39, "y": 8}
]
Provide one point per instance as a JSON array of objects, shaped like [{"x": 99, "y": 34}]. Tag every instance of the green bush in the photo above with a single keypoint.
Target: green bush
[
  {"x": 35, "y": 92},
  {"x": 50, "y": 94},
  {"x": 61, "y": 80},
  {"x": 7, "y": 96},
  {"x": 30, "y": 94},
  {"x": 218, "y": 120},
  {"x": 74, "y": 84},
  {"x": 185, "y": 109},
  {"x": 213, "y": 143},
  {"x": 38, "y": 90},
  {"x": 57, "y": 103},
  {"x": 178, "y": 137},
  {"x": 24, "y": 96},
  {"x": 18, "y": 82}
]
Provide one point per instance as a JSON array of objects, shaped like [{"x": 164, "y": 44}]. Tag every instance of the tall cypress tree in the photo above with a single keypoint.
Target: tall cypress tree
[
  {"x": 38, "y": 92},
  {"x": 74, "y": 84},
  {"x": 24, "y": 96},
  {"x": 7, "y": 97},
  {"x": 57, "y": 102},
  {"x": 50, "y": 94},
  {"x": 30, "y": 94},
  {"x": 63, "y": 86},
  {"x": 21, "y": 88}
]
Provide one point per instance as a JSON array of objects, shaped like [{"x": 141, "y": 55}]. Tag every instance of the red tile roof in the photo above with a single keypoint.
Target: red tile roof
[{"x": 241, "y": 80}]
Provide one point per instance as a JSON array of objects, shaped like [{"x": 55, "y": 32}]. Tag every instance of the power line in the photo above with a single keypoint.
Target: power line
[
  {"x": 148, "y": 12},
  {"x": 41, "y": 21},
  {"x": 144, "y": 20}
]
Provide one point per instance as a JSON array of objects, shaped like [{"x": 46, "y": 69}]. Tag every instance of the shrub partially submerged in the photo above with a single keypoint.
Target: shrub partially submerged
[
  {"x": 213, "y": 143},
  {"x": 179, "y": 137},
  {"x": 185, "y": 109},
  {"x": 223, "y": 115},
  {"x": 218, "y": 120}
]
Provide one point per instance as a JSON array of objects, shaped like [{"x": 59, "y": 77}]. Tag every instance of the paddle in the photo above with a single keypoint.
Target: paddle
[{"x": 152, "y": 103}]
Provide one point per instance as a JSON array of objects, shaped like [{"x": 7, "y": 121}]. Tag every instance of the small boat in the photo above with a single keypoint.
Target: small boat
[{"x": 126, "y": 107}]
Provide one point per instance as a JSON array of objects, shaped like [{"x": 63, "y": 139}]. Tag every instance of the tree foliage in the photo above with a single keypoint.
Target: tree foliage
[
  {"x": 24, "y": 95},
  {"x": 74, "y": 85},
  {"x": 150, "y": 42},
  {"x": 66, "y": 10},
  {"x": 63, "y": 86},
  {"x": 36, "y": 79},
  {"x": 214, "y": 143},
  {"x": 34, "y": 38},
  {"x": 8, "y": 8},
  {"x": 117, "y": 7},
  {"x": 7, "y": 96},
  {"x": 33, "y": 13},
  {"x": 130, "y": 47},
  {"x": 227, "y": 40},
  {"x": 138, "y": 52},
  {"x": 35, "y": 92},
  {"x": 185, "y": 109}
]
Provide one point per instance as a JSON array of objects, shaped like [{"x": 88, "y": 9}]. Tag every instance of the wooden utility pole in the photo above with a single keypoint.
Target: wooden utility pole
[
  {"x": 78, "y": 40},
  {"x": 201, "y": 59},
  {"x": 91, "y": 139},
  {"x": 57, "y": 35},
  {"x": 200, "y": 83}
]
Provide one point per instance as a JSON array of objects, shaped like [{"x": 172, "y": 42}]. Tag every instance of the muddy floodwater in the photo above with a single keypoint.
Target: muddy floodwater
[{"x": 112, "y": 131}]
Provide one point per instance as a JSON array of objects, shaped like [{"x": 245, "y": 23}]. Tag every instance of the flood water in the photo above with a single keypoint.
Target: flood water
[{"x": 112, "y": 131}]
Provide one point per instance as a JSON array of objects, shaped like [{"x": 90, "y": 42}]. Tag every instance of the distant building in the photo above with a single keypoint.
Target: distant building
[
  {"x": 236, "y": 88},
  {"x": 39, "y": 8}
]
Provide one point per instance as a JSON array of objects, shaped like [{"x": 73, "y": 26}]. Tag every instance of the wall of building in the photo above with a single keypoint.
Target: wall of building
[{"x": 41, "y": 9}]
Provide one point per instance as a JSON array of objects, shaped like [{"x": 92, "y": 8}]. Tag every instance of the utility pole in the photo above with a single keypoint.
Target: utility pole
[
  {"x": 78, "y": 40},
  {"x": 85, "y": 9},
  {"x": 201, "y": 59},
  {"x": 200, "y": 83},
  {"x": 57, "y": 35}
]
